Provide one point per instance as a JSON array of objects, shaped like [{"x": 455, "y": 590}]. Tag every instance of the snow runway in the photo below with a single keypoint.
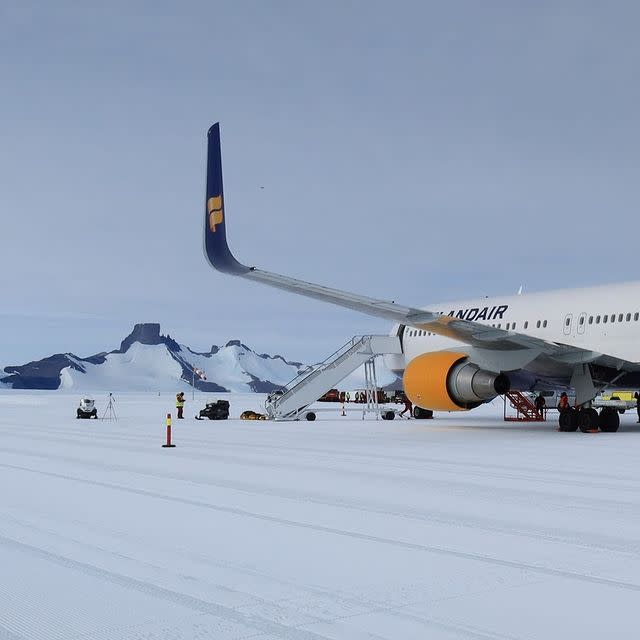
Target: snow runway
[{"x": 461, "y": 527}]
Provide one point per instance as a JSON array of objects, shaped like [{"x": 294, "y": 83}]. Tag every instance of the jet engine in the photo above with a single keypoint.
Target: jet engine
[{"x": 447, "y": 381}]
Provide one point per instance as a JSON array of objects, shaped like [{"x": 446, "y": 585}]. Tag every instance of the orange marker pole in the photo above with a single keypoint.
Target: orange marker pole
[{"x": 168, "y": 445}]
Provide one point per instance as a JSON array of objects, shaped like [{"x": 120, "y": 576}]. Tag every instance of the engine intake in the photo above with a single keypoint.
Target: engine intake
[{"x": 447, "y": 381}]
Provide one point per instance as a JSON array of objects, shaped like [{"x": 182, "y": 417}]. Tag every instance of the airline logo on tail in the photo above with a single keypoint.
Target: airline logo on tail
[{"x": 216, "y": 214}]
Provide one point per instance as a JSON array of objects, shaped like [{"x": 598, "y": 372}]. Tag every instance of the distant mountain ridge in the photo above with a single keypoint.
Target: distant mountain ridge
[{"x": 149, "y": 360}]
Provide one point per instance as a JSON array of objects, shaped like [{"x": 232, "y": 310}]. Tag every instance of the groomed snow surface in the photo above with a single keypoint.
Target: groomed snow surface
[{"x": 460, "y": 527}]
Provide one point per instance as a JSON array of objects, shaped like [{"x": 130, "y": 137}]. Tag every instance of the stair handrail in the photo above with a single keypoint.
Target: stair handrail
[{"x": 320, "y": 366}]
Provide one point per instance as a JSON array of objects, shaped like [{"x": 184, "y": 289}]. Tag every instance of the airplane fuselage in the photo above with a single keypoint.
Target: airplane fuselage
[{"x": 603, "y": 319}]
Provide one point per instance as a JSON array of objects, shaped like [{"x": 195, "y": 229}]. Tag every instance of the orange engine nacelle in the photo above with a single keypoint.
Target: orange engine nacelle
[{"x": 446, "y": 381}]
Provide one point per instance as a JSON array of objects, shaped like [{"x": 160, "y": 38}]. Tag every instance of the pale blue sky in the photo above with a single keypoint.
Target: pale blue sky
[{"x": 420, "y": 151}]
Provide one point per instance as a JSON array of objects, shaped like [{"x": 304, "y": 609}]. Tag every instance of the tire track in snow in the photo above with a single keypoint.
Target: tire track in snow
[
  {"x": 483, "y": 470},
  {"x": 457, "y": 487},
  {"x": 434, "y": 549},
  {"x": 263, "y": 625},
  {"x": 628, "y": 547},
  {"x": 6, "y": 634},
  {"x": 371, "y": 606}
]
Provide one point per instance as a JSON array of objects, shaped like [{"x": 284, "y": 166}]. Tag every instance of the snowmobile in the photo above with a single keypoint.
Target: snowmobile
[
  {"x": 218, "y": 410},
  {"x": 87, "y": 409}
]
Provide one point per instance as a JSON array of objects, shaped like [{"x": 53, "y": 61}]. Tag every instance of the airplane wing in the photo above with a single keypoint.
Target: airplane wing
[{"x": 472, "y": 333}]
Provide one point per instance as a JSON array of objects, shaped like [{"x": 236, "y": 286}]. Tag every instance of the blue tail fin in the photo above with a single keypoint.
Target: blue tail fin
[{"x": 215, "y": 237}]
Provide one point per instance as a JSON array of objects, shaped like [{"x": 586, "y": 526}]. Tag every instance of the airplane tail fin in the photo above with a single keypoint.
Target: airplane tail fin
[{"x": 215, "y": 237}]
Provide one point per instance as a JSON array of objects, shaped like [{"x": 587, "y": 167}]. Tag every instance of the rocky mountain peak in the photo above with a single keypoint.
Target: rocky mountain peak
[{"x": 144, "y": 333}]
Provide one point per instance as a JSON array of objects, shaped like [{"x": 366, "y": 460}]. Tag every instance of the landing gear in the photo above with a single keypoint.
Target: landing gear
[
  {"x": 310, "y": 416},
  {"x": 422, "y": 414},
  {"x": 388, "y": 415},
  {"x": 568, "y": 420},
  {"x": 588, "y": 420},
  {"x": 609, "y": 420}
]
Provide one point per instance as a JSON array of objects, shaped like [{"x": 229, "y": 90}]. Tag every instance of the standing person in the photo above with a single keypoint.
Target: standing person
[
  {"x": 348, "y": 397},
  {"x": 180, "y": 404},
  {"x": 636, "y": 395},
  {"x": 408, "y": 406},
  {"x": 563, "y": 403},
  {"x": 540, "y": 404}
]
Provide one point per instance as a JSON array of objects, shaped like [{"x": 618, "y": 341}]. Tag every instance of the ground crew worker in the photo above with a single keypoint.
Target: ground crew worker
[
  {"x": 180, "y": 404},
  {"x": 563, "y": 403},
  {"x": 540, "y": 404},
  {"x": 348, "y": 397},
  {"x": 636, "y": 395},
  {"x": 408, "y": 406}
]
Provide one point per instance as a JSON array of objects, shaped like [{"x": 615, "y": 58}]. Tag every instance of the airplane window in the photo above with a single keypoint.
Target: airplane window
[
  {"x": 526, "y": 324},
  {"x": 538, "y": 324},
  {"x": 636, "y": 316},
  {"x": 514, "y": 326},
  {"x": 628, "y": 317},
  {"x": 613, "y": 317},
  {"x": 590, "y": 319},
  {"x": 544, "y": 324},
  {"x": 508, "y": 326},
  {"x": 567, "y": 322},
  {"x": 597, "y": 319},
  {"x": 581, "y": 320},
  {"x": 604, "y": 320},
  {"x": 499, "y": 325},
  {"x": 620, "y": 318}
]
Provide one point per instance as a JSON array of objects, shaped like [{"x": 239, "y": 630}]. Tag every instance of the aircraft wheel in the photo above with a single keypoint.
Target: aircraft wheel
[
  {"x": 588, "y": 420},
  {"x": 568, "y": 420},
  {"x": 310, "y": 416},
  {"x": 389, "y": 415},
  {"x": 422, "y": 414},
  {"x": 609, "y": 420}
]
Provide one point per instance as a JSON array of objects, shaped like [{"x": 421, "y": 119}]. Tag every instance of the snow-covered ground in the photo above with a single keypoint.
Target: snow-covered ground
[{"x": 460, "y": 527}]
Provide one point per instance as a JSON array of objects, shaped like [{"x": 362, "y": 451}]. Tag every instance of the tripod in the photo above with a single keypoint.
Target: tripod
[{"x": 110, "y": 410}]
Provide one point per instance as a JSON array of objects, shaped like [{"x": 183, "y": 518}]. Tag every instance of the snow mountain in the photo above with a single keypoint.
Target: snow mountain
[{"x": 150, "y": 361}]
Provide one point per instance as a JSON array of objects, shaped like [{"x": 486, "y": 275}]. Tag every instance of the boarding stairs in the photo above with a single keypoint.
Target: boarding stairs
[
  {"x": 525, "y": 409},
  {"x": 292, "y": 400}
]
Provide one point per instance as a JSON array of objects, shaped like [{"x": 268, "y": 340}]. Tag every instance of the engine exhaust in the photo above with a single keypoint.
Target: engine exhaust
[{"x": 468, "y": 384}]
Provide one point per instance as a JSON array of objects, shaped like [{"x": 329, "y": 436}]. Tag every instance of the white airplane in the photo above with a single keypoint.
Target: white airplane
[{"x": 458, "y": 355}]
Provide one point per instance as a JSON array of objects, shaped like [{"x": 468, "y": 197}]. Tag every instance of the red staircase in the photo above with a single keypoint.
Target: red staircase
[{"x": 525, "y": 409}]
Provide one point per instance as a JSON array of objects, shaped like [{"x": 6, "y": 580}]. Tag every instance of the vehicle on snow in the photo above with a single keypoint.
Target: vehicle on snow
[
  {"x": 87, "y": 409},
  {"x": 218, "y": 410}
]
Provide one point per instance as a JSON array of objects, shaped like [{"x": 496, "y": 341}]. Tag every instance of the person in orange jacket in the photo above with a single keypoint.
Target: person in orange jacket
[
  {"x": 408, "y": 405},
  {"x": 563, "y": 403}
]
